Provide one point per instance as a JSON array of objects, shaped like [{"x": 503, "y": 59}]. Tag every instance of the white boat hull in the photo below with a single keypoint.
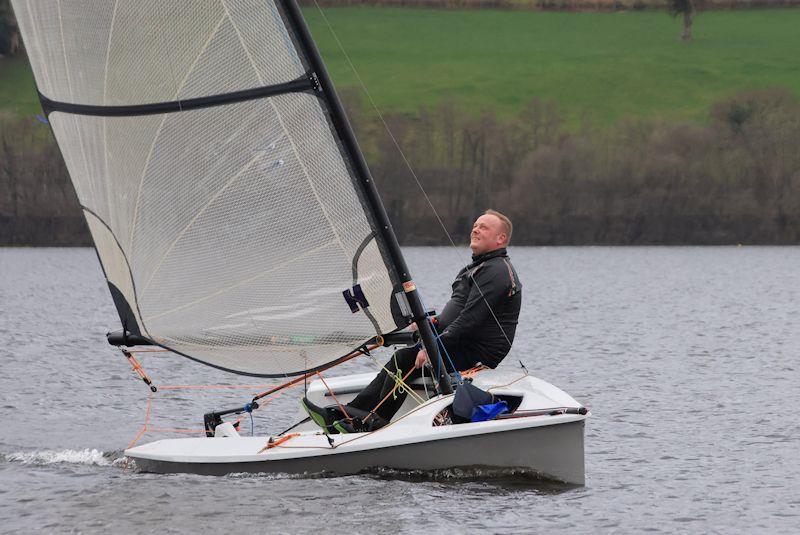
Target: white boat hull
[{"x": 550, "y": 445}]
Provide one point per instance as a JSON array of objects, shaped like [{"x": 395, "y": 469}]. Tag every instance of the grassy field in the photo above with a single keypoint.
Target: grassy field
[
  {"x": 598, "y": 67},
  {"x": 551, "y": 5},
  {"x": 17, "y": 90}
]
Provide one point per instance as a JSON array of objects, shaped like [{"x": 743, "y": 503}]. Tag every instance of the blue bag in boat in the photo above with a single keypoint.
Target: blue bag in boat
[
  {"x": 489, "y": 412},
  {"x": 467, "y": 398}
]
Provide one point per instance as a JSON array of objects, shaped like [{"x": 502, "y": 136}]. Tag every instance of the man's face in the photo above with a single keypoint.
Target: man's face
[{"x": 487, "y": 234}]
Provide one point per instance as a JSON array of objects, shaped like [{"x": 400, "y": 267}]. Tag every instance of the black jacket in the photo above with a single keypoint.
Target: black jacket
[{"x": 480, "y": 319}]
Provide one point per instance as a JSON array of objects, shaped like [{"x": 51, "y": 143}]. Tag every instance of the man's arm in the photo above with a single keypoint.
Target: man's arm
[{"x": 491, "y": 285}]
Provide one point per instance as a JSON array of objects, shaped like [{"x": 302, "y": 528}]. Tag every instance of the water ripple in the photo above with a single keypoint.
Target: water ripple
[{"x": 687, "y": 357}]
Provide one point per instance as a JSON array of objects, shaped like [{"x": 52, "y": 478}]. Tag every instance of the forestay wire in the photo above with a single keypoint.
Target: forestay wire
[{"x": 407, "y": 163}]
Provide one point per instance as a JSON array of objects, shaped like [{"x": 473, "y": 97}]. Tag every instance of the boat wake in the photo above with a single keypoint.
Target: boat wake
[
  {"x": 506, "y": 478},
  {"x": 90, "y": 457},
  {"x": 499, "y": 477}
]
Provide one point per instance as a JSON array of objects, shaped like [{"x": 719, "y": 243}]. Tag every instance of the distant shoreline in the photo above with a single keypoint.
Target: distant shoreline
[{"x": 553, "y": 5}]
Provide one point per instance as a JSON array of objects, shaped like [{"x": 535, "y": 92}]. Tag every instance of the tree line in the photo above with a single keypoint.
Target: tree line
[
  {"x": 38, "y": 205},
  {"x": 733, "y": 180}
]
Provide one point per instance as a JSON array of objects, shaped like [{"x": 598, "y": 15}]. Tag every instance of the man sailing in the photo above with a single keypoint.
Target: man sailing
[{"x": 476, "y": 326}]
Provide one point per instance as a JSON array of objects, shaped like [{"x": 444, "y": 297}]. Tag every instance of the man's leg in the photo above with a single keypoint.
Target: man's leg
[
  {"x": 397, "y": 367},
  {"x": 401, "y": 362},
  {"x": 382, "y": 385},
  {"x": 462, "y": 357}
]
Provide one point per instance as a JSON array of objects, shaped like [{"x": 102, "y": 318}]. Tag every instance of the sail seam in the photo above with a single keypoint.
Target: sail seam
[
  {"x": 64, "y": 51},
  {"x": 105, "y": 121},
  {"x": 292, "y": 144},
  {"x": 157, "y": 134},
  {"x": 78, "y": 132},
  {"x": 241, "y": 42},
  {"x": 197, "y": 216},
  {"x": 222, "y": 291},
  {"x": 37, "y": 51},
  {"x": 108, "y": 51}
]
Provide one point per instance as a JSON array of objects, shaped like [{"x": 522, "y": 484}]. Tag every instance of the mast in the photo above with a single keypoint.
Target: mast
[{"x": 345, "y": 131}]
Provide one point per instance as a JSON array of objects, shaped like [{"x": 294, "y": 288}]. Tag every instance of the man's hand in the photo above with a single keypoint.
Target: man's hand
[
  {"x": 422, "y": 358},
  {"x": 413, "y": 326}
]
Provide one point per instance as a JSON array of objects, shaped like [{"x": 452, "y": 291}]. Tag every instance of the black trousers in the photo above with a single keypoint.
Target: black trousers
[{"x": 398, "y": 366}]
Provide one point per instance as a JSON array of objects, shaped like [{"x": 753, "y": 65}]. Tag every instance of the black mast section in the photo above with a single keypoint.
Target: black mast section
[{"x": 347, "y": 136}]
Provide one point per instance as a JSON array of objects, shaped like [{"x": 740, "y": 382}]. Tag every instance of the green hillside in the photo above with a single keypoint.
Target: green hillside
[{"x": 596, "y": 66}]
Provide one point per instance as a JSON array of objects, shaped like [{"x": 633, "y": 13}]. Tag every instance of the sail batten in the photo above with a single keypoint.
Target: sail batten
[
  {"x": 214, "y": 180},
  {"x": 304, "y": 83}
]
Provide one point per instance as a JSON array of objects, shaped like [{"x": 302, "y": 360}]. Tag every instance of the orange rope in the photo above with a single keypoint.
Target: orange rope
[
  {"x": 341, "y": 407},
  {"x": 146, "y": 428},
  {"x": 277, "y": 395},
  {"x": 212, "y": 387},
  {"x": 274, "y": 442},
  {"x": 138, "y": 368},
  {"x": 274, "y": 392},
  {"x": 146, "y": 420},
  {"x": 305, "y": 376},
  {"x": 474, "y": 371}
]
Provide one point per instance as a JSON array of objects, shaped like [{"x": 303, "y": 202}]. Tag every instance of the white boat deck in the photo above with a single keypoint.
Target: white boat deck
[{"x": 410, "y": 427}]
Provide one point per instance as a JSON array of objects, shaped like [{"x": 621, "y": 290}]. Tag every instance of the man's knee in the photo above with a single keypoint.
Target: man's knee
[{"x": 403, "y": 359}]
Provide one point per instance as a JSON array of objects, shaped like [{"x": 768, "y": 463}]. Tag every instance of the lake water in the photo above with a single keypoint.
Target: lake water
[{"x": 687, "y": 357}]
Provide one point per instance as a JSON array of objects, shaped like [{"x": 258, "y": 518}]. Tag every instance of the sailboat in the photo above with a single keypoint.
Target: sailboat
[{"x": 237, "y": 224}]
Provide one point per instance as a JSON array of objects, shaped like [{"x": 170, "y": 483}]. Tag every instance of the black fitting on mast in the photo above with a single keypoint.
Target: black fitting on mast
[
  {"x": 384, "y": 227},
  {"x": 315, "y": 85}
]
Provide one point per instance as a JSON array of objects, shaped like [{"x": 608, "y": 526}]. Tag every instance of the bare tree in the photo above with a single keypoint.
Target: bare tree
[
  {"x": 685, "y": 9},
  {"x": 10, "y": 42}
]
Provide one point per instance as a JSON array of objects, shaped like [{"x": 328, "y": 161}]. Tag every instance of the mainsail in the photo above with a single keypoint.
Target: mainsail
[{"x": 226, "y": 208}]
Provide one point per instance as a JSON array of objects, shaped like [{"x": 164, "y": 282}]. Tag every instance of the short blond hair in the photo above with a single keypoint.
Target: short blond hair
[{"x": 507, "y": 227}]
